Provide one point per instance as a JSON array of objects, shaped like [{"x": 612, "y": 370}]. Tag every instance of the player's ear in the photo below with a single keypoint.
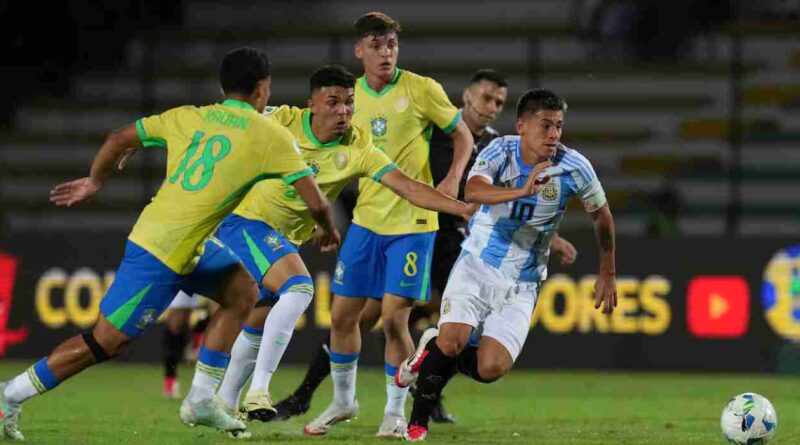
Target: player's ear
[
  {"x": 520, "y": 125},
  {"x": 357, "y": 50},
  {"x": 310, "y": 103},
  {"x": 466, "y": 96}
]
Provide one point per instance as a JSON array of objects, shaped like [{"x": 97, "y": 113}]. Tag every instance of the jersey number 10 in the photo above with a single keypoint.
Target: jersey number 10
[
  {"x": 205, "y": 162},
  {"x": 522, "y": 211}
]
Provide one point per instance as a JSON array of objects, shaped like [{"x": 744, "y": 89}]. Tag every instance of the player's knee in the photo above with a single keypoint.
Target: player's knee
[
  {"x": 450, "y": 347},
  {"x": 492, "y": 370},
  {"x": 344, "y": 321},
  {"x": 395, "y": 325}
]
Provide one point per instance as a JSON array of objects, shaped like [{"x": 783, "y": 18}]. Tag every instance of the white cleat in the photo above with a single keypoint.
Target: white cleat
[
  {"x": 9, "y": 417},
  {"x": 408, "y": 371},
  {"x": 212, "y": 413},
  {"x": 332, "y": 415},
  {"x": 392, "y": 427}
]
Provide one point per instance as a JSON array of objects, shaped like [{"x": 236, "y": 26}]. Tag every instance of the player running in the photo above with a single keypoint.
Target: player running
[
  {"x": 215, "y": 154},
  {"x": 271, "y": 222},
  {"x": 523, "y": 183},
  {"x": 388, "y": 250}
]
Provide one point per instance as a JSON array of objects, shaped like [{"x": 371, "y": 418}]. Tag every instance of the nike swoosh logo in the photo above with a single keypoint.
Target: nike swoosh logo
[
  {"x": 404, "y": 284},
  {"x": 281, "y": 342}
]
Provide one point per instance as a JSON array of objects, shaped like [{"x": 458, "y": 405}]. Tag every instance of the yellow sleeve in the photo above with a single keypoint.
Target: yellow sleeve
[
  {"x": 283, "y": 115},
  {"x": 375, "y": 163},
  {"x": 438, "y": 108},
  {"x": 283, "y": 158},
  {"x": 153, "y": 130}
]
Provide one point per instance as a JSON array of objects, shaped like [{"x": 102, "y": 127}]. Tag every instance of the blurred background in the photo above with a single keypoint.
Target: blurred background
[{"x": 689, "y": 111}]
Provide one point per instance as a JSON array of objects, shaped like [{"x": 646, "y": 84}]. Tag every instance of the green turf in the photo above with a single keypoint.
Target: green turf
[{"x": 121, "y": 404}]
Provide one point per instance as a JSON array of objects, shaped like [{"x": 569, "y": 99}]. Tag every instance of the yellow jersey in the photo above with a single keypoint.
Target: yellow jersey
[
  {"x": 215, "y": 154},
  {"x": 400, "y": 118},
  {"x": 334, "y": 164}
]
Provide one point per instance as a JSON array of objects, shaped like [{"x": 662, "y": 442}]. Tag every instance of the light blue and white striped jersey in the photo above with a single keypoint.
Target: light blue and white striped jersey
[{"x": 515, "y": 236}]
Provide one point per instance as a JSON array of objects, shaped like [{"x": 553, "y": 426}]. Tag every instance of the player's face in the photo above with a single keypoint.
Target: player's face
[
  {"x": 378, "y": 53},
  {"x": 333, "y": 108},
  {"x": 262, "y": 93},
  {"x": 483, "y": 101},
  {"x": 541, "y": 131}
]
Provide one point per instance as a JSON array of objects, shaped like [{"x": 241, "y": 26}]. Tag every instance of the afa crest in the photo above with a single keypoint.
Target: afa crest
[
  {"x": 379, "y": 126},
  {"x": 549, "y": 192}
]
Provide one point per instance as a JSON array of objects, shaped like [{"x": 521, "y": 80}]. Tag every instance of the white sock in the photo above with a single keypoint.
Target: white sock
[
  {"x": 243, "y": 360},
  {"x": 343, "y": 374},
  {"x": 20, "y": 389},
  {"x": 278, "y": 329},
  {"x": 208, "y": 373},
  {"x": 395, "y": 396}
]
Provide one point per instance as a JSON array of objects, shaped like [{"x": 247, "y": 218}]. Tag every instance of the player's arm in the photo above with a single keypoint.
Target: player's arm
[
  {"x": 425, "y": 196},
  {"x": 321, "y": 211},
  {"x": 605, "y": 287},
  {"x": 462, "y": 149},
  {"x": 563, "y": 249},
  {"x": 480, "y": 189},
  {"x": 117, "y": 144}
]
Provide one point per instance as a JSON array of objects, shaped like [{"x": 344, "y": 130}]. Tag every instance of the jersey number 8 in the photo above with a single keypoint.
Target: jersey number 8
[{"x": 205, "y": 162}]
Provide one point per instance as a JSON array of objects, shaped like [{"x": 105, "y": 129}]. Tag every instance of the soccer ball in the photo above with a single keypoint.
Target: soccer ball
[{"x": 748, "y": 419}]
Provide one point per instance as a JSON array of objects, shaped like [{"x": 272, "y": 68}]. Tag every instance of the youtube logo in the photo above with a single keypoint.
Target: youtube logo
[{"x": 718, "y": 306}]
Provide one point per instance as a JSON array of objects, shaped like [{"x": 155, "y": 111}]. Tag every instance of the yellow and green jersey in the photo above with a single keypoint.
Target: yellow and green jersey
[
  {"x": 334, "y": 164},
  {"x": 400, "y": 118},
  {"x": 215, "y": 154}
]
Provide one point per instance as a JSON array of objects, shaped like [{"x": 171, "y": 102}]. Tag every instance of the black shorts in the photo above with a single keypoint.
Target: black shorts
[{"x": 446, "y": 250}]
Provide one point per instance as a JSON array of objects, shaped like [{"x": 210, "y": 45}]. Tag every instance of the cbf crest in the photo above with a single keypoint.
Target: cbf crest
[
  {"x": 338, "y": 274},
  {"x": 273, "y": 241},
  {"x": 379, "y": 126}
]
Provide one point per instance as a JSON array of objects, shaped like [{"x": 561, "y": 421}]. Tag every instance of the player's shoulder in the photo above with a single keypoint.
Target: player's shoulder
[
  {"x": 284, "y": 114},
  {"x": 501, "y": 146},
  {"x": 571, "y": 159},
  {"x": 357, "y": 138}
]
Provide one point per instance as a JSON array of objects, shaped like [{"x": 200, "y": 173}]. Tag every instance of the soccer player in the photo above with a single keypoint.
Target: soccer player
[
  {"x": 523, "y": 184},
  {"x": 215, "y": 154},
  {"x": 388, "y": 250},
  {"x": 483, "y": 98},
  {"x": 271, "y": 222}
]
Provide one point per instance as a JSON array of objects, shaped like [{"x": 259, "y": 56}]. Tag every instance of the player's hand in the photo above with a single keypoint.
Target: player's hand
[
  {"x": 327, "y": 242},
  {"x": 534, "y": 182},
  {"x": 605, "y": 289},
  {"x": 449, "y": 186},
  {"x": 471, "y": 209},
  {"x": 74, "y": 192},
  {"x": 564, "y": 250}
]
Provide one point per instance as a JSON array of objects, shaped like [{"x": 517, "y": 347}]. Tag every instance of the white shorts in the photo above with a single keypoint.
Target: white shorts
[
  {"x": 481, "y": 296},
  {"x": 186, "y": 301}
]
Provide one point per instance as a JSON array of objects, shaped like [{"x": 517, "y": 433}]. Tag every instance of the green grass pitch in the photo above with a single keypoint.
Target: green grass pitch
[{"x": 121, "y": 403}]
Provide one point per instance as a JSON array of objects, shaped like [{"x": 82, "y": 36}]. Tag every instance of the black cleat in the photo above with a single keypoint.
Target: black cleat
[
  {"x": 291, "y": 406},
  {"x": 262, "y": 414},
  {"x": 440, "y": 414}
]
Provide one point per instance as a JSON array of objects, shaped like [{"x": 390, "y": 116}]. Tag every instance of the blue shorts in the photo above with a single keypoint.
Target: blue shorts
[
  {"x": 371, "y": 265},
  {"x": 144, "y": 286},
  {"x": 257, "y": 244}
]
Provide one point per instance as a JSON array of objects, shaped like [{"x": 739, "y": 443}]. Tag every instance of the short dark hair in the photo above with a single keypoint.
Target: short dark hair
[
  {"x": 488, "y": 75},
  {"x": 242, "y": 69},
  {"x": 330, "y": 76},
  {"x": 376, "y": 24},
  {"x": 540, "y": 99}
]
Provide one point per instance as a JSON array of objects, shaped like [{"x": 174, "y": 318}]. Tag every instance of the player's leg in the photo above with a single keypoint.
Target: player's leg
[
  {"x": 243, "y": 358},
  {"x": 141, "y": 291},
  {"x": 300, "y": 400},
  {"x": 174, "y": 338},
  {"x": 359, "y": 274},
  {"x": 408, "y": 262},
  {"x": 446, "y": 250},
  {"x": 220, "y": 276}
]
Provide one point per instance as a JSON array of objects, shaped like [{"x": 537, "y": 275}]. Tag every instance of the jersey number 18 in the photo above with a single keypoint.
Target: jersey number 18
[{"x": 205, "y": 162}]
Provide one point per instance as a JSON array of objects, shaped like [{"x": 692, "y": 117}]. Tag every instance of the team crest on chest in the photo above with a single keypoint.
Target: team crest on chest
[
  {"x": 340, "y": 160},
  {"x": 314, "y": 167},
  {"x": 549, "y": 192},
  {"x": 379, "y": 126},
  {"x": 401, "y": 103}
]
